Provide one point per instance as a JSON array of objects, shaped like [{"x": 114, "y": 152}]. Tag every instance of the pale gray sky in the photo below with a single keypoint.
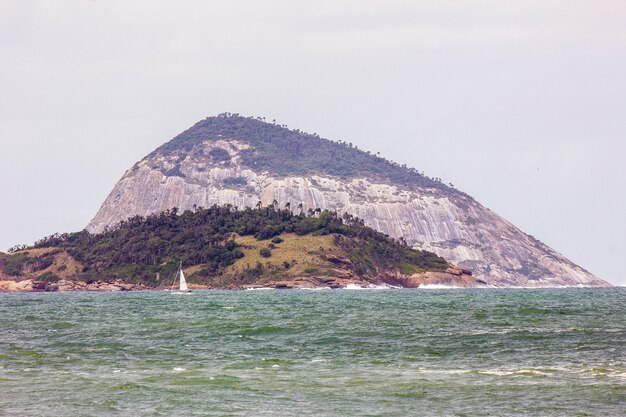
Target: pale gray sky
[{"x": 521, "y": 104}]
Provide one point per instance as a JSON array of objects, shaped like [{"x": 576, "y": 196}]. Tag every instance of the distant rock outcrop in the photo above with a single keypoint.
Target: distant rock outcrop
[
  {"x": 240, "y": 161},
  {"x": 32, "y": 285}
]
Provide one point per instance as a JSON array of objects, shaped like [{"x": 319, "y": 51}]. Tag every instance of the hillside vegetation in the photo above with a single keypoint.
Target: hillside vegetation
[
  {"x": 285, "y": 152},
  {"x": 221, "y": 246}
]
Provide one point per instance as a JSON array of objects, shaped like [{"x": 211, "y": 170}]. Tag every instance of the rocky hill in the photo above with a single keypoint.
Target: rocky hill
[
  {"x": 242, "y": 161},
  {"x": 226, "y": 248}
]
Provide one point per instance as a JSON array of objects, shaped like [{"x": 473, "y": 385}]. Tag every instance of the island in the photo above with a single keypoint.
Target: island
[{"x": 223, "y": 247}]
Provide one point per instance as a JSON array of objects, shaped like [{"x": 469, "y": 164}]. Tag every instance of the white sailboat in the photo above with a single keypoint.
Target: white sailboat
[{"x": 182, "y": 282}]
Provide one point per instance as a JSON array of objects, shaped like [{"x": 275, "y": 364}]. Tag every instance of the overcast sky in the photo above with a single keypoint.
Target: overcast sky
[{"x": 521, "y": 104}]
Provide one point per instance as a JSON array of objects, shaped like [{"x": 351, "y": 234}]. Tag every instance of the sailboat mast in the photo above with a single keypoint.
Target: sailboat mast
[
  {"x": 182, "y": 282},
  {"x": 177, "y": 274}
]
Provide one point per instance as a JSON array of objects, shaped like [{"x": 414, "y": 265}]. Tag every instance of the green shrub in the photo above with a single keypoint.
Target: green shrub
[
  {"x": 43, "y": 263},
  {"x": 219, "y": 155},
  {"x": 49, "y": 277},
  {"x": 265, "y": 252},
  {"x": 15, "y": 264},
  {"x": 235, "y": 181}
]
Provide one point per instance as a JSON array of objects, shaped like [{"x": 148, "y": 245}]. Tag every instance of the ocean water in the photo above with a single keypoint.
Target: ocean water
[{"x": 488, "y": 352}]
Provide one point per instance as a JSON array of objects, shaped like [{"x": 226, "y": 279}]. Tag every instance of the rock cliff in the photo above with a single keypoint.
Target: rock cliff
[{"x": 240, "y": 161}]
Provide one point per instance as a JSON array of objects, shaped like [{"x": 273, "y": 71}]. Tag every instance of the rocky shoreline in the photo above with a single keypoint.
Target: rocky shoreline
[
  {"x": 63, "y": 285},
  {"x": 453, "y": 277}
]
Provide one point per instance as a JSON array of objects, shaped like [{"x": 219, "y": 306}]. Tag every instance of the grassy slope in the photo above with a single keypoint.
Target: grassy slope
[
  {"x": 36, "y": 261},
  {"x": 296, "y": 256},
  {"x": 304, "y": 250}
]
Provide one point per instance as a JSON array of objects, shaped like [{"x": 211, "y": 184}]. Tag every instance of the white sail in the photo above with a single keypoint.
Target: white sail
[{"x": 183, "y": 282}]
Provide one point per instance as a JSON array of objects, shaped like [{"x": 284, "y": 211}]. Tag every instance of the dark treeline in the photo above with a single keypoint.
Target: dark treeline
[
  {"x": 284, "y": 152},
  {"x": 140, "y": 247}
]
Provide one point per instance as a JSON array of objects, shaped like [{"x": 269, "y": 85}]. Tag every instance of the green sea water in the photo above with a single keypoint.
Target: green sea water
[{"x": 471, "y": 352}]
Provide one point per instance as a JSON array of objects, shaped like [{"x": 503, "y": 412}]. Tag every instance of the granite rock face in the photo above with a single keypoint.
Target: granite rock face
[{"x": 447, "y": 222}]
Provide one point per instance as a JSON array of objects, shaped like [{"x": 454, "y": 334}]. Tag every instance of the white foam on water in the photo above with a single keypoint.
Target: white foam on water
[
  {"x": 178, "y": 369},
  {"x": 607, "y": 330},
  {"x": 523, "y": 371},
  {"x": 386, "y": 286},
  {"x": 619, "y": 375},
  {"x": 495, "y": 371},
  {"x": 443, "y": 371},
  {"x": 479, "y": 332},
  {"x": 259, "y": 289},
  {"x": 532, "y": 330},
  {"x": 370, "y": 287},
  {"x": 353, "y": 287},
  {"x": 316, "y": 288},
  {"x": 440, "y": 287},
  {"x": 545, "y": 287},
  {"x": 228, "y": 308},
  {"x": 509, "y": 372},
  {"x": 533, "y": 372}
]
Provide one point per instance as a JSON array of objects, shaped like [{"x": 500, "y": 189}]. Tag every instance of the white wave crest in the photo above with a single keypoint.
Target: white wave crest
[
  {"x": 315, "y": 288},
  {"x": 440, "y": 287},
  {"x": 370, "y": 287}
]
